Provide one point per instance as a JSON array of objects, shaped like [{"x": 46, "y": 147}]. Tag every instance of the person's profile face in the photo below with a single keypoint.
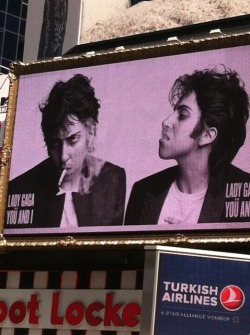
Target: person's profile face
[
  {"x": 176, "y": 140},
  {"x": 68, "y": 150}
]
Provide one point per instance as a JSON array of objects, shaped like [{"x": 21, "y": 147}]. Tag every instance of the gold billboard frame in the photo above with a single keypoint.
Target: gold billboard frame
[{"x": 131, "y": 239}]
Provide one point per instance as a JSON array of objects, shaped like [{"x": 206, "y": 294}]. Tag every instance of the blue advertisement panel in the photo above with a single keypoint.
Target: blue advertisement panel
[{"x": 202, "y": 296}]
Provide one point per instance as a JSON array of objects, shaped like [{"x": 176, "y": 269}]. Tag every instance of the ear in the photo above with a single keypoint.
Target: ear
[
  {"x": 91, "y": 129},
  {"x": 208, "y": 136},
  {"x": 91, "y": 134}
]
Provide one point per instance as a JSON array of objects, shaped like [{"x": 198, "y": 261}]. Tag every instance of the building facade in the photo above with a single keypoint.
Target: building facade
[{"x": 12, "y": 30}]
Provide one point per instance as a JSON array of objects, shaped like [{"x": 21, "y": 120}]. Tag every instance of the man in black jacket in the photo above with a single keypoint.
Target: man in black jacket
[
  {"x": 203, "y": 134},
  {"x": 71, "y": 188}
]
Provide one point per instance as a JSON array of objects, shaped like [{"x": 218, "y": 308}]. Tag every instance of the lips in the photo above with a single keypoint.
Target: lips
[{"x": 65, "y": 167}]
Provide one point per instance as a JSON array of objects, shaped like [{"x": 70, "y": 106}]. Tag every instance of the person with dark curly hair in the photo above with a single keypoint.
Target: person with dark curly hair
[
  {"x": 203, "y": 133},
  {"x": 71, "y": 188}
]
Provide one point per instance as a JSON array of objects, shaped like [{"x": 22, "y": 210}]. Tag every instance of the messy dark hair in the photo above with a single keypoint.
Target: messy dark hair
[
  {"x": 74, "y": 97},
  {"x": 224, "y": 104}
]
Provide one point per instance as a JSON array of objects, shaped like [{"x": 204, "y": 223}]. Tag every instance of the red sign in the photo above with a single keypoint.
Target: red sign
[{"x": 66, "y": 309}]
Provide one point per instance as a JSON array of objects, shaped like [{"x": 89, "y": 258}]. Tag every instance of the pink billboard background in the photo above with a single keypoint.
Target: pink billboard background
[{"x": 134, "y": 102}]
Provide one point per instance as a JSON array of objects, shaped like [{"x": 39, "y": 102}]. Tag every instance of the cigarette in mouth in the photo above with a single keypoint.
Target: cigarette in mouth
[{"x": 62, "y": 176}]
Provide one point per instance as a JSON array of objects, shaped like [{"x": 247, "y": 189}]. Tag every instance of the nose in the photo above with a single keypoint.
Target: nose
[
  {"x": 168, "y": 122},
  {"x": 64, "y": 152}
]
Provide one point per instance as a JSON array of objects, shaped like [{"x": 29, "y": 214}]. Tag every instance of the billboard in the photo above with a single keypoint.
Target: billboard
[
  {"x": 111, "y": 19},
  {"x": 62, "y": 25},
  {"x": 55, "y": 30},
  {"x": 98, "y": 142},
  {"x": 198, "y": 292}
]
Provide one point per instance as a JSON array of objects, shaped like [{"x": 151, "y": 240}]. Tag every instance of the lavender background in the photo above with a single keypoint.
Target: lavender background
[{"x": 134, "y": 102}]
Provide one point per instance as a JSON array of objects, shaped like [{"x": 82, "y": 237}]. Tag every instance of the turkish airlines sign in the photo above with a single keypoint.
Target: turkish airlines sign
[
  {"x": 71, "y": 309},
  {"x": 198, "y": 290}
]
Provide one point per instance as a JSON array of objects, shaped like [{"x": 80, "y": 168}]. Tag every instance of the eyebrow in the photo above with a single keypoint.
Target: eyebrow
[
  {"x": 73, "y": 135},
  {"x": 182, "y": 106}
]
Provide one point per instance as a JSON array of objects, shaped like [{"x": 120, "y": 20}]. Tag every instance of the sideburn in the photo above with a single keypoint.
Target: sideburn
[{"x": 198, "y": 129}]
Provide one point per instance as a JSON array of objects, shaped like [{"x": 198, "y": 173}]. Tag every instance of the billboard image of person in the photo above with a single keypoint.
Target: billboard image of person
[
  {"x": 71, "y": 187},
  {"x": 203, "y": 132}
]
